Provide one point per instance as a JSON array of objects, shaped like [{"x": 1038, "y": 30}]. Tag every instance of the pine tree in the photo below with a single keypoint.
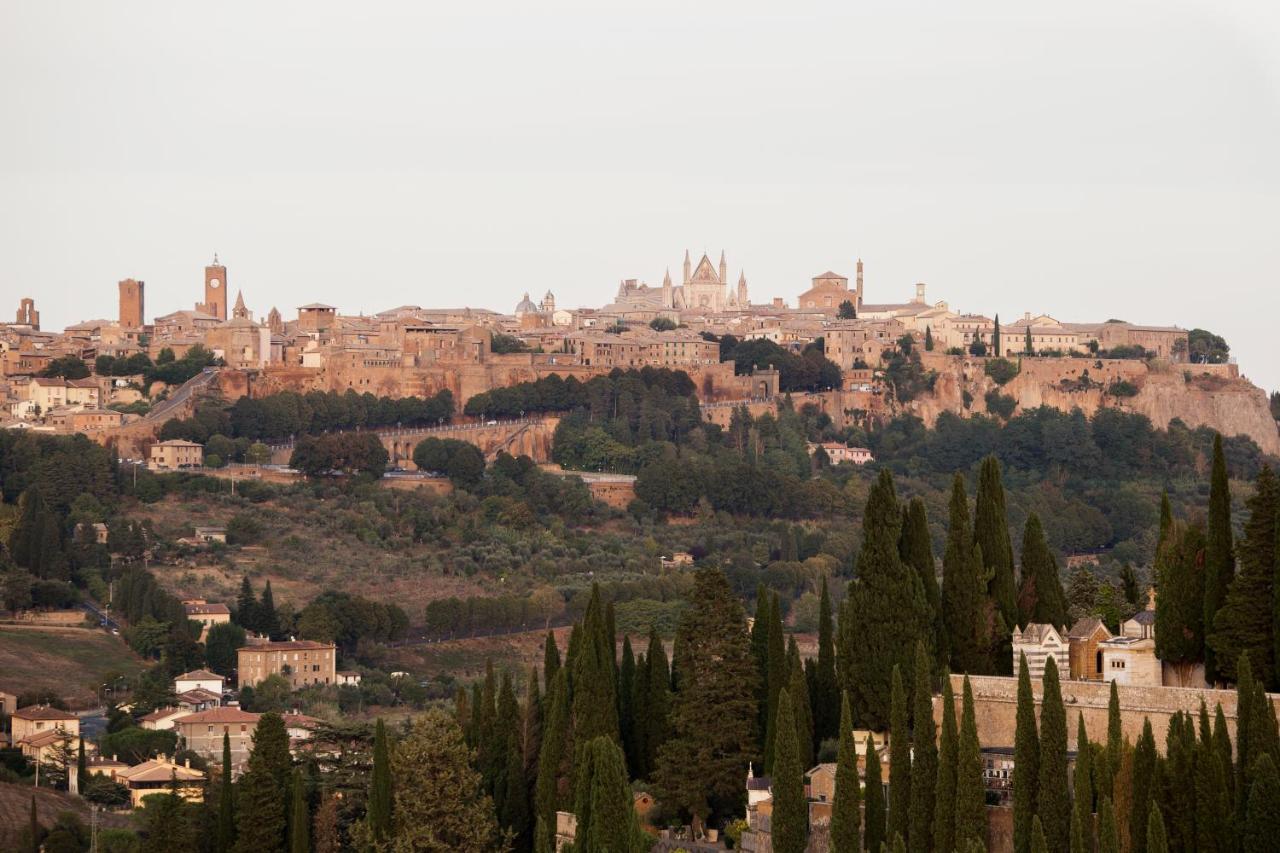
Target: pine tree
[
  {"x": 1026, "y": 761},
  {"x": 226, "y": 837},
  {"x": 962, "y": 592},
  {"x": 595, "y": 704},
  {"x": 1244, "y": 623},
  {"x": 944, "y": 814},
  {"x": 550, "y": 662},
  {"x": 1180, "y": 595},
  {"x": 1262, "y": 817},
  {"x": 626, "y": 698},
  {"x": 1108, "y": 831},
  {"x": 790, "y": 811},
  {"x": 554, "y": 765},
  {"x": 874, "y": 810},
  {"x": 991, "y": 533},
  {"x": 1041, "y": 598},
  {"x": 1219, "y": 556},
  {"x": 899, "y": 760},
  {"x": 916, "y": 547},
  {"x": 247, "y": 606},
  {"x": 776, "y": 675},
  {"x": 885, "y": 612},
  {"x": 1051, "y": 788},
  {"x": 970, "y": 808},
  {"x": 798, "y": 689},
  {"x": 1156, "y": 840},
  {"x": 299, "y": 819},
  {"x": 846, "y": 813},
  {"x": 1082, "y": 779},
  {"x": 924, "y": 756},
  {"x": 706, "y": 757},
  {"x": 268, "y": 620},
  {"x": 1144, "y": 769},
  {"x": 827, "y": 690},
  {"x": 379, "y": 809}
]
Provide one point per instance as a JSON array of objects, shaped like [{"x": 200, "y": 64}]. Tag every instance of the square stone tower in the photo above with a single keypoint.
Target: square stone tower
[
  {"x": 132, "y": 304},
  {"x": 215, "y": 290}
]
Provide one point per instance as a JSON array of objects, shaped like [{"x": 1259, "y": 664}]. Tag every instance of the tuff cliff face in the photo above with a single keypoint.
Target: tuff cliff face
[{"x": 1214, "y": 396}]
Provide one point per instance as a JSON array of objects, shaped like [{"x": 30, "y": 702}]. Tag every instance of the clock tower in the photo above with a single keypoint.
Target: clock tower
[{"x": 215, "y": 290}]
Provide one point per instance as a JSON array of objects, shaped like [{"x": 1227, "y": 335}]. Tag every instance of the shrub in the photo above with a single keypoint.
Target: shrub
[
  {"x": 1000, "y": 404},
  {"x": 1001, "y": 370},
  {"x": 1122, "y": 388}
]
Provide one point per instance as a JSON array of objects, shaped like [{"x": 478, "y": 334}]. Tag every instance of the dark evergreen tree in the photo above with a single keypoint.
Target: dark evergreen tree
[
  {"x": 1038, "y": 842},
  {"x": 1212, "y": 799},
  {"x": 944, "y": 813},
  {"x": 702, "y": 765},
  {"x": 1180, "y": 591},
  {"x": 760, "y": 628},
  {"x": 505, "y": 737},
  {"x": 1262, "y": 817},
  {"x": 916, "y": 547},
  {"x": 1219, "y": 556},
  {"x": 928, "y": 338},
  {"x": 1082, "y": 781},
  {"x": 1026, "y": 761},
  {"x": 1245, "y": 622},
  {"x": 1144, "y": 769},
  {"x": 607, "y": 819},
  {"x": 875, "y": 808},
  {"x": 846, "y": 809},
  {"x": 1222, "y": 747},
  {"x": 1156, "y": 840},
  {"x": 1052, "y": 803},
  {"x": 827, "y": 688},
  {"x": 299, "y": 818},
  {"x": 531, "y": 732},
  {"x": 970, "y": 808},
  {"x": 1108, "y": 828},
  {"x": 991, "y": 533},
  {"x": 790, "y": 811},
  {"x": 595, "y": 704},
  {"x": 550, "y": 662},
  {"x": 379, "y": 808},
  {"x": 555, "y": 765},
  {"x": 884, "y": 614},
  {"x": 899, "y": 759},
  {"x": 1040, "y": 598},
  {"x": 658, "y": 698},
  {"x": 962, "y": 590},
  {"x": 801, "y": 713},
  {"x": 1115, "y": 746},
  {"x": 924, "y": 756},
  {"x": 626, "y": 699},
  {"x": 268, "y": 619},
  {"x": 995, "y": 339},
  {"x": 1175, "y": 786},
  {"x": 82, "y": 768},
  {"x": 263, "y": 790},
  {"x": 226, "y": 838},
  {"x": 776, "y": 674},
  {"x": 515, "y": 816},
  {"x": 247, "y": 606}
]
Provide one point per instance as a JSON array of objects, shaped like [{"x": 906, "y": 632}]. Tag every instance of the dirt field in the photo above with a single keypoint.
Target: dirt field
[{"x": 70, "y": 661}]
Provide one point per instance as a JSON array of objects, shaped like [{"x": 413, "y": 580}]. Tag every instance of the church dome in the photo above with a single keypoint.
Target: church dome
[{"x": 526, "y": 306}]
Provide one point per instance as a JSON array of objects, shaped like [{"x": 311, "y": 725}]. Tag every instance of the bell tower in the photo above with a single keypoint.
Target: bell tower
[{"x": 215, "y": 290}]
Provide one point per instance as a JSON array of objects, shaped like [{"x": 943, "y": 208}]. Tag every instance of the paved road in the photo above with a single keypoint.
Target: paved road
[
  {"x": 99, "y": 614},
  {"x": 160, "y": 412}
]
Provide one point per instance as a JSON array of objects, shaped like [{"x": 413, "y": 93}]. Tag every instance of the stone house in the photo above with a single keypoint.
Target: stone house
[
  {"x": 202, "y": 733},
  {"x": 163, "y": 719},
  {"x": 175, "y": 454},
  {"x": 159, "y": 776},
  {"x": 39, "y": 729},
  {"x": 300, "y": 662},
  {"x": 199, "y": 679},
  {"x": 1085, "y": 656}
]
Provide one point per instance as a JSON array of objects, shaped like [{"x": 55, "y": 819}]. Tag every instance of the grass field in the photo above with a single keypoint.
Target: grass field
[
  {"x": 15, "y": 812},
  {"x": 72, "y": 662}
]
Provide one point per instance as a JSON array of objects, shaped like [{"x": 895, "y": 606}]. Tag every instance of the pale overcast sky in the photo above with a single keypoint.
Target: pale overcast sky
[{"x": 1087, "y": 160}]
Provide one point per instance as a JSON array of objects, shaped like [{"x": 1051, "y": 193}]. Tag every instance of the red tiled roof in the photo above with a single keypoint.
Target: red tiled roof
[
  {"x": 287, "y": 645},
  {"x": 162, "y": 714},
  {"x": 221, "y": 715},
  {"x": 42, "y": 712},
  {"x": 207, "y": 609},
  {"x": 199, "y": 675}
]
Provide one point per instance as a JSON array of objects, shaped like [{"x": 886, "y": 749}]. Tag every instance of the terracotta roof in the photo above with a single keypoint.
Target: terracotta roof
[
  {"x": 830, "y": 274},
  {"x": 287, "y": 645},
  {"x": 199, "y": 674},
  {"x": 163, "y": 714},
  {"x": 300, "y": 721},
  {"x": 199, "y": 695},
  {"x": 42, "y": 712},
  {"x": 221, "y": 715},
  {"x": 159, "y": 770},
  {"x": 207, "y": 609},
  {"x": 48, "y": 737}
]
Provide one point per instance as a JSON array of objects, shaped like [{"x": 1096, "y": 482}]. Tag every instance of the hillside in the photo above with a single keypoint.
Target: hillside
[
  {"x": 15, "y": 812},
  {"x": 72, "y": 662}
]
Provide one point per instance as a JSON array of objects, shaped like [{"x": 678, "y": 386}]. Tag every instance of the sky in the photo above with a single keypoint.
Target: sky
[{"x": 1088, "y": 160}]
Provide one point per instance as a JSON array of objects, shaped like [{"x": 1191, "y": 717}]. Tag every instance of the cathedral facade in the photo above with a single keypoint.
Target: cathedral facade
[{"x": 702, "y": 288}]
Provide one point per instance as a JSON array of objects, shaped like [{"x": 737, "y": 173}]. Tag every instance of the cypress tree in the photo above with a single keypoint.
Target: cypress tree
[
  {"x": 1038, "y": 842},
  {"x": 1144, "y": 769},
  {"x": 606, "y": 818},
  {"x": 776, "y": 677},
  {"x": 1156, "y": 840},
  {"x": 928, "y": 338},
  {"x": 790, "y": 812},
  {"x": 1122, "y": 797},
  {"x": 991, "y": 533},
  {"x": 515, "y": 814},
  {"x": 1026, "y": 761},
  {"x": 995, "y": 338},
  {"x": 1041, "y": 598},
  {"x": 1263, "y": 734},
  {"x": 1027, "y": 345},
  {"x": 626, "y": 698},
  {"x": 916, "y": 547},
  {"x": 550, "y": 662},
  {"x": 1051, "y": 788},
  {"x": 1244, "y": 726},
  {"x": 247, "y": 606},
  {"x": 1180, "y": 595},
  {"x": 531, "y": 730},
  {"x": 899, "y": 760},
  {"x": 1082, "y": 777},
  {"x": 760, "y": 628},
  {"x": 1219, "y": 555},
  {"x": 1108, "y": 832},
  {"x": 1212, "y": 800},
  {"x": 874, "y": 810},
  {"x": 658, "y": 697},
  {"x": 611, "y": 636},
  {"x": 970, "y": 808},
  {"x": 924, "y": 757},
  {"x": 82, "y": 768},
  {"x": 846, "y": 811},
  {"x": 1262, "y": 817},
  {"x": 226, "y": 838},
  {"x": 1077, "y": 834},
  {"x": 1222, "y": 746},
  {"x": 827, "y": 690},
  {"x": 1176, "y": 780},
  {"x": 554, "y": 765},
  {"x": 1244, "y": 624},
  {"x": 268, "y": 620},
  {"x": 885, "y": 612},
  {"x": 962, "y": 590},
  {"x": 261, "y": 820},
  {"x": 594, "y": 699},
  {"x": 1166, "y": 518},
  {"x": 379, "y": 809},
  {"x": 299, "y": 818},
  {"x": 944, "y": 812},
  {"x": 506, "y": 736},
  {"x": 1115, "y": 744},
  {"x": 799, "y": 691}
]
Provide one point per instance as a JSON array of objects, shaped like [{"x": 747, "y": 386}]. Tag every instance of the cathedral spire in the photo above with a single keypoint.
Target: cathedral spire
[
  {"x": 724, "y": 269},
  {"x": 688, "y": 266}
]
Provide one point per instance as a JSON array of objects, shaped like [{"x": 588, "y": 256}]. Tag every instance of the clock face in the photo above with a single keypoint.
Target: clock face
[{"x": 213, "y": 282}]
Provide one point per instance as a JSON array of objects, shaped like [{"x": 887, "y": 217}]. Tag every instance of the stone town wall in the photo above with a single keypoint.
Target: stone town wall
[{"x": 996, "y": 699}]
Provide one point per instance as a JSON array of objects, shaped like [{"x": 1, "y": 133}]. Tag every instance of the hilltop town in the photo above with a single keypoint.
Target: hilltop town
[{"x": 120, "y": 379}]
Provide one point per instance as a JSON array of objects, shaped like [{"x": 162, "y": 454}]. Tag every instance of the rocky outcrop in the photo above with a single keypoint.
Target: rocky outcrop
[{"x": 1212, "y": 395}]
